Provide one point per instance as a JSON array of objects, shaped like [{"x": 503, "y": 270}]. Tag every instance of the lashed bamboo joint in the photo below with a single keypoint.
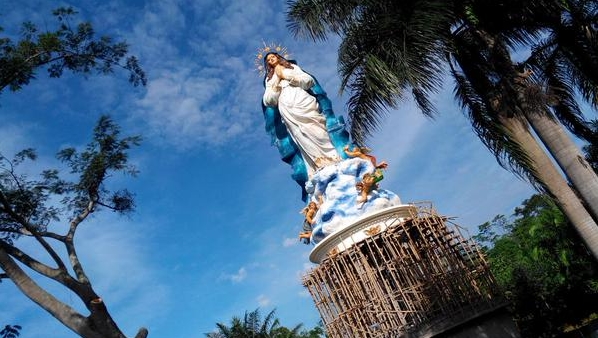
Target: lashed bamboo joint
[{"x": 401, "y": 273}]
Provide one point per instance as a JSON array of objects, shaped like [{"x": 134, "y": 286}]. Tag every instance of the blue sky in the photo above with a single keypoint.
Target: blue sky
[{"x": 215, "y": 229}]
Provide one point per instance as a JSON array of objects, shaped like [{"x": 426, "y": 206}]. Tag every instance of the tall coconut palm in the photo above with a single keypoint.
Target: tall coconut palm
[
  {"x": 390, "y": 46},
  {"x": 566, "y": 62},
  {"x": 563, "y": 61},
  {"x": 492, "y": 91}
]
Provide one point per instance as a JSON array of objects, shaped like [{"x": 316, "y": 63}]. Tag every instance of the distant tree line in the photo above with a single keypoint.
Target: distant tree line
[{"x": 550, "y": 279}]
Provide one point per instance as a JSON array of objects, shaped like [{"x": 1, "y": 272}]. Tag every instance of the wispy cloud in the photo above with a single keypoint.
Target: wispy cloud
[
  {"x": 304, "y": 293},
  {"x": 288, "y": 242},
  {"x": 208, "y": 96},
  {"x": 237, "y": 277},
  {"x": 120, "y": 266},
  {"x": 182, "y": 108},
  {"x": 13, "y": 138},
  {"x": 263, "y": 301}
]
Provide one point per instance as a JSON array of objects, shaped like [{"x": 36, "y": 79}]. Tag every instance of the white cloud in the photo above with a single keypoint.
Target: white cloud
[
  {"x": 237, "y": 277},
  {"x": 304, "y": 294},
  {"x": 209, "y": 96},
  {"x": 252, "y": 18},
  {"x": 263, "y": 301},
  {"x": 179, "y": 106},
  {"x": 288, "y": 242},
  {"x": 156, "y": 32},
  {"x": 13, "y": 138}
]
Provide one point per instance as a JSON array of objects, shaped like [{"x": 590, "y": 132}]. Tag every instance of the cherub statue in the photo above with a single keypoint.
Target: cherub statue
[
  {"x": 368, "y": 183},
  {"x": 364, "y": 153},
  {"x": 310, "y": 219}
]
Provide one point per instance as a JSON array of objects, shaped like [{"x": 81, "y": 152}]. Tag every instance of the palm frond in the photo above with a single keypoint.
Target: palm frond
[
  {"x": 484, "y": 90},
  {"x": 392, "y": 47},
  {"x": 564, "y": 102},
  {"x": 491, "y": 132},
  {"x": 572, "y": 47},
  {"x": 269, "y": 323},
  {"x": 366, "y": 106},
  {"x": 421, "y": 98},
  {"x": 316, "y": 18},
  {"x": 251, "y": 320}
]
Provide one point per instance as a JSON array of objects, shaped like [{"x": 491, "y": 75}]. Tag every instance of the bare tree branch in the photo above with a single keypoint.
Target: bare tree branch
[
  {"x": 64, "y": 313},
  {"x": 32, "y": 263},
  {"x": 70, "y": 245},
  {"x": 25, "y": 232}
]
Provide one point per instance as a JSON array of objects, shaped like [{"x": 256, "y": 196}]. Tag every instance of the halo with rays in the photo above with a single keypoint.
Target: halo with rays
[{"x": 267, "y": 48}]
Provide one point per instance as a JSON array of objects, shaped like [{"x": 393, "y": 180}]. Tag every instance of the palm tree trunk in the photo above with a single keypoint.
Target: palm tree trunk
[
  {"x": 568, "y": 157},
  {"x": 554, "y": 182}
]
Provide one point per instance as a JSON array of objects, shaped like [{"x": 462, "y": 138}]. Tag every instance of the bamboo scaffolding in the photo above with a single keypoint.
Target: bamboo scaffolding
[{"x": 416, "y": 278}]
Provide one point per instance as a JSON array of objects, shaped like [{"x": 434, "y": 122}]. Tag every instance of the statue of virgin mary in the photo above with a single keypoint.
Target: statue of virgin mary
[{"x": 300, "y": 119}]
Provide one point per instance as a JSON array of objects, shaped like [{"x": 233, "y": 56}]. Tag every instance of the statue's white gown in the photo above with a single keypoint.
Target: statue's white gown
[{"x": 299, "y": 112}]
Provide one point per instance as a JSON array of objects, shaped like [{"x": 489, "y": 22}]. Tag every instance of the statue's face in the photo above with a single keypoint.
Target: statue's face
[{"x": 272, "y": 60}]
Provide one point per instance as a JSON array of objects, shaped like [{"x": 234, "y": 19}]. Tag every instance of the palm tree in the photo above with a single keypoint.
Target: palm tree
[
  {"x": 570, "y": 50},
  {"x": 253, "y": 326},
  {"x": 375, "y": 64},
  {"x": 508, "y": 89},
  {"x": 556, "y": 71},
  {"x": 567, "y": 61},
  {"x": 490, "y": 88},
  {"x": 11, "y": 331},
  {"x": 391, "y": 46}
]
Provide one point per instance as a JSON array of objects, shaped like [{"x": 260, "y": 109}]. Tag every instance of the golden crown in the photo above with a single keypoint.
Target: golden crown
[{"x": 268, "y": 48}]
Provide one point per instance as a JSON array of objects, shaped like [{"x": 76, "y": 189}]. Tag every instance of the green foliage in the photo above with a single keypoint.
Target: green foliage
[
  {"x": 25, "y": 201},
  {"x": 10, "y": 331},
  {"x": 69, "y": 47},
  {"x": 549, "y": 277},
  {"x": 253, "y": 326},
  {"x": 316, "y": 332},
  {"x": 107, "y": 152}
]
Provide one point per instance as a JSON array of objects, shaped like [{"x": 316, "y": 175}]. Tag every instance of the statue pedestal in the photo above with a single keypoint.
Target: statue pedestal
[{"x": 363, "y": 228}]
